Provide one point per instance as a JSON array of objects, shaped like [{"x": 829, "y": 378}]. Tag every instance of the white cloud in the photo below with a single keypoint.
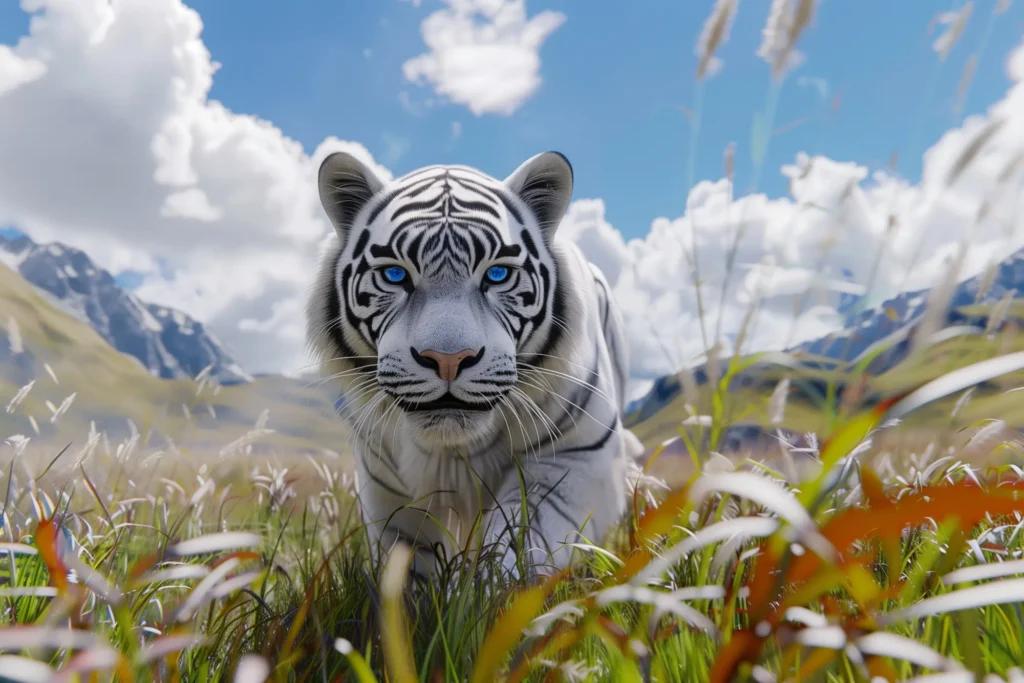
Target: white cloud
[
  {"x": 791, "y": 253},
  {"x": 484, "y": 54},
  {"x": 16, "y": 71},
  {"x": 191, "y": 203},
  {"x": 120, "y": 152},
  {"x": 653, "y": 282}
]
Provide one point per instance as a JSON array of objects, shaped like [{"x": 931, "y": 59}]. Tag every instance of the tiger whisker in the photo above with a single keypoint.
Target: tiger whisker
[
  {"x": 536, "y": 428},
  {"x": 549, "y": 426},
  {"x": 502, "y": 404},
  {"x": 558, "y": 358},
  {"x": 366, "y": 411},
  {"x": 383, "y": 421},
  {"x": 359, "y": 391},
  {"x": 575, "y": 380},
  {"x": 553, "y": 431},
  {"x": 537, "y": 407},
  {"x": 522, "y": 432},
  {"x": 342, "y": 375},
  {"x": 585, "y": 412}
]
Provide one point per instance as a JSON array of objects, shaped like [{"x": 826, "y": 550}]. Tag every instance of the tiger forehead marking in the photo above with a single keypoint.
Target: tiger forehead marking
[
  {"x": 446, "y": 224},
  {"x": 447, "y": 218}
]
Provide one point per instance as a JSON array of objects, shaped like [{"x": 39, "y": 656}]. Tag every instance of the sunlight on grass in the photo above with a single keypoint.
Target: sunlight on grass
[{"x": 888, "y": 547}]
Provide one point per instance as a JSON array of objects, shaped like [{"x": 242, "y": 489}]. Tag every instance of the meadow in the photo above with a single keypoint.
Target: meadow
[
  {"x": 888, "y": 546},
  {"x": 889, "y": 557}
]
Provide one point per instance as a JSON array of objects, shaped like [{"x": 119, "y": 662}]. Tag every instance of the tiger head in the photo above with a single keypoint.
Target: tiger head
[{"x": 443, "y": 283}]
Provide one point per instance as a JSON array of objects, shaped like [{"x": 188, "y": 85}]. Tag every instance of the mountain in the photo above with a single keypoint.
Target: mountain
[
  {"x": 168, "y": 343},
  {"x": 60, "y": 380},
  {"x": 890, "y": 325}
]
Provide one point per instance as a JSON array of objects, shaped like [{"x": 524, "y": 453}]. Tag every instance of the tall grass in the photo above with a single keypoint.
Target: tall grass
[
  {"x": 120, "y": 562},
  {"x": 846, "y": 573}
]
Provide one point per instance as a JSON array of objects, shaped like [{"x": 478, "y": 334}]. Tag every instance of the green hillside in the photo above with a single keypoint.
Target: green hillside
[{"x": 111, "y": 388}]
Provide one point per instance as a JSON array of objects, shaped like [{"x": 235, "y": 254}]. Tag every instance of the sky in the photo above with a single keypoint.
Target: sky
[{"x": 177, "y": 142}]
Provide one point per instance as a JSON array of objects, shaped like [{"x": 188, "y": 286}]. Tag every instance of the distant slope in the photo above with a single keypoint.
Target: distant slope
[
  {"x": 973, "y": 303},
  {"x": 167, "y": 342},
  {"x": 110, "y": 388}
]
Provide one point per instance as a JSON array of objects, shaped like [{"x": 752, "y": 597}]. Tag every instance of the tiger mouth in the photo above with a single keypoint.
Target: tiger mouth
[{"x": 446, "y": 402}]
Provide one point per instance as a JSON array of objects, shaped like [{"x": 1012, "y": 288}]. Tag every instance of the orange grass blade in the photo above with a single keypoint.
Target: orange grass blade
[
  {"x": 965, "y": 501},
  {"x": 561, "y": 638},
  {"x": 143, "y": 565},
  {"x": 815, "y": 662},
  {"x": 46, "y": 541},
  {"x": 874, "y": 491},
  {"x": 742, "y": 647},
  {"x": 508, "y": 630},
  {"x": 655, "y": 523}
]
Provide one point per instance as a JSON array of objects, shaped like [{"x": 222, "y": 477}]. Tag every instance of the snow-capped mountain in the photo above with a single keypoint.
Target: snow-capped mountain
[
  {"x": 903, "y": 313},
  {"x": 167, "y": 342},
  {"x": 895, "y": 321}
]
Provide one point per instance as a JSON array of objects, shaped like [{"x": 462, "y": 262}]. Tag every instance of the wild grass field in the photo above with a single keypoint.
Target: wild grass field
[
  {"x": 875, "y": 562},
  {"x": 203, "y": 533}
]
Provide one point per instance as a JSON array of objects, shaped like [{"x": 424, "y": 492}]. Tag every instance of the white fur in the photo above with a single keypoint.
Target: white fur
[{"x": 424, "y": 480}]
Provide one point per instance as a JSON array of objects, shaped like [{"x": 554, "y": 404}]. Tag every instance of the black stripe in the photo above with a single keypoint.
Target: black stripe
[
  {"x": 558, "y": 307},
  {"x": 377, "y": 480},
  {"x": 476, "y": 206},
  {"x": 381, "y": 205},
  {"x": 597, "y": 444},
  {"x": 563, "y": 514},
  {"x": 606, "y": 302},
  {"x": 531, "y": 247},
  {"x": 384, "y": 457},
  {"x": 510, "y": 206}
]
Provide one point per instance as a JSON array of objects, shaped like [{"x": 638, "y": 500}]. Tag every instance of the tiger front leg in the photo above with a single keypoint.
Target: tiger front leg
[
  {"x": 561, "y": 500},
  {"x": 391, "y": 518}
]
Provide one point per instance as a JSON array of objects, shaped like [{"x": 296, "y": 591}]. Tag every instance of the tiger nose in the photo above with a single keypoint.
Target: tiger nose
[{"x": 447, "y": 365}]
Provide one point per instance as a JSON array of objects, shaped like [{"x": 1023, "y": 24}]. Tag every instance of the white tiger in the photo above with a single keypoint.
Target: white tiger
[{"x": 476, "y": 351}]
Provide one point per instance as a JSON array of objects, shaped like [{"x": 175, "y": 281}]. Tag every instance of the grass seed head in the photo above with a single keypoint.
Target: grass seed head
[
  {"x": 955, "y": 23},
  {"x": 713, "y": 35}
]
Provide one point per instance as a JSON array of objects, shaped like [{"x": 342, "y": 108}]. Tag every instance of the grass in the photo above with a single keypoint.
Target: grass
[
  {"x": 889, "y": 548},
  {"x": 182, "y": 570}
]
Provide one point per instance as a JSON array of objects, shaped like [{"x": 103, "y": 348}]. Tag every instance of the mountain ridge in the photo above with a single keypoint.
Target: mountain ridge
[
  {"x": 62, "y": 383},
  {"x": 895, "y": 321},
  {"x": 167, "y": 342}
]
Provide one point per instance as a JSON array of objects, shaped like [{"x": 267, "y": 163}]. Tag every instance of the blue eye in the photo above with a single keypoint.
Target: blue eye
[
  {"x": 497, "y": 274},
  {"x": 395, "y": 274}
]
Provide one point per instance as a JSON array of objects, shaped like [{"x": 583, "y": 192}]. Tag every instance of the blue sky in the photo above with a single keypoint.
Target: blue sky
[
  {"x": 198, "y": 209},
  {"x": 613, "y": 82},
  {"x": 613, "y": 85}
]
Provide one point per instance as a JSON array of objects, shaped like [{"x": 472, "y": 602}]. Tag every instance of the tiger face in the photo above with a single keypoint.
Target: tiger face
[{"x": 444, "y": 283}]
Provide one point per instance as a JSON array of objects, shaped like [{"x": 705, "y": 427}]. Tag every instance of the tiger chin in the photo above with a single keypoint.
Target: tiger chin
[{"x": 480, "y": 362}]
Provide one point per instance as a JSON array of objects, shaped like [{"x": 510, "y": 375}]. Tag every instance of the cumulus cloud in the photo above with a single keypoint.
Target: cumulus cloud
[
  {"x": 16, "y": 71},
  {"x": 119, "y": 151},
  {"x": 484, "y": 54},
  {"x": 653, "y": 277},
  {"x": 843, "y": 231}
]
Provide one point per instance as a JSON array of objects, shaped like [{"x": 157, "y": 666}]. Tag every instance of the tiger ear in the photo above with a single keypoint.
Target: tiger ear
[
  {"x": 346, "y": 185},
  {"x": 544, "y": 183}
]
